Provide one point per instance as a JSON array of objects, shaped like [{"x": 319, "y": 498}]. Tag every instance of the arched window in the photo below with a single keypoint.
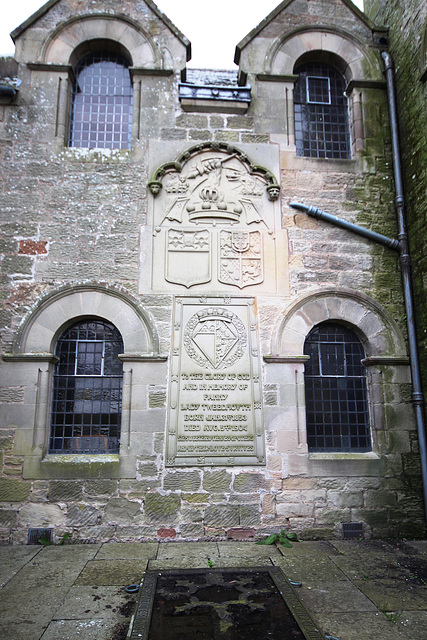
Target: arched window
[
  {"x": 321, "y": 113},
  {"x": 87, "y": 389},
  {"x": 101, "y": 104},
  {"x": 335, "y": 391}
]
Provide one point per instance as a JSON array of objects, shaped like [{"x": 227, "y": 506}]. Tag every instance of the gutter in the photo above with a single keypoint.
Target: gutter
[{"x": 405, "y": 261}]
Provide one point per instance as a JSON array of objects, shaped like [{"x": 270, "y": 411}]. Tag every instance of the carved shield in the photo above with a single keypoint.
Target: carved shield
[
  {"x": 240, "y": 258},
  {"x": 188, "y": 257}
]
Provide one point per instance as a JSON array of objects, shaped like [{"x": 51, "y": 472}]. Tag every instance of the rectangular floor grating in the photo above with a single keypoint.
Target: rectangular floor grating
[{"x": 220, "y": 604}]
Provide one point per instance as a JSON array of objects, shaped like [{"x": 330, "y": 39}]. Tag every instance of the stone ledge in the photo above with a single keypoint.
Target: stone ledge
[
  {"x": 337, "y": 455},
  {"x": 81, "y": 458}
]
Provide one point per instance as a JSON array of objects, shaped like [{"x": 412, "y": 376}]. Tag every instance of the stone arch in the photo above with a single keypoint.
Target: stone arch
[
  {"x": 59, "y": 309},
  {"x": 378, "y": 332},
  {"x": 356, "y": 62},
  {"x": 61, "y": 43}
]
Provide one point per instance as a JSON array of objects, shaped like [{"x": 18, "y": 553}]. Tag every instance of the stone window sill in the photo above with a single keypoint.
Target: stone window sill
[
  {"x": 81, "y": 458},
  {"x": 331, "y": 455}
]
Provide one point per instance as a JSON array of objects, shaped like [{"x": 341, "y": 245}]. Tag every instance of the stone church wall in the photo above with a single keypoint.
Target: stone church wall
[{"x": 116, "y": 234}]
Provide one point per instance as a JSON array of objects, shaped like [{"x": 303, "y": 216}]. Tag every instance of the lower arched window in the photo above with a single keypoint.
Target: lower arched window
[
  {"x": 87, "y": 390},
  {"x": 321, "y": 112},
  {"x": 335, "y": 390}
]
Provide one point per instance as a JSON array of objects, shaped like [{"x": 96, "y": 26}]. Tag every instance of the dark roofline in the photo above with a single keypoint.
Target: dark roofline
[
  {"x": 252, "y": 34},
  {"x": 50, "y": 3}
]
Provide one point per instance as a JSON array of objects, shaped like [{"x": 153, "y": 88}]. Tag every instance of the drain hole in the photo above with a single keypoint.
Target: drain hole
[
  {"x": 352, "y": 530},
  {"x": 34, "y": 535}
]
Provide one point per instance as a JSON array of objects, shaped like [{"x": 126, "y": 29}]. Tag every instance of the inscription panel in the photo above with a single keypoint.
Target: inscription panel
[{"x": 215, "y": 413}]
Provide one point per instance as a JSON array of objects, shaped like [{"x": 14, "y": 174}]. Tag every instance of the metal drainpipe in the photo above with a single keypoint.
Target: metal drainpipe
[
  {"x": 405, "y": 262},
  {"x": 314, "y": 212}
]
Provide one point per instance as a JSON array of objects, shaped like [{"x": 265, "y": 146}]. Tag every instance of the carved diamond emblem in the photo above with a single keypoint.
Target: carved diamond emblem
[{"x": 215, "y": 338}]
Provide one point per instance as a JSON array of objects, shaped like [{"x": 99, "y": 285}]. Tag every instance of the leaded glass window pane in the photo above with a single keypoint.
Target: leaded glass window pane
[
  {"x": 101, "y": 105},
  {"x": 87, "y": 390},
  {"x": 321, "y": 112},
  {"x": 335, "y": 387}
]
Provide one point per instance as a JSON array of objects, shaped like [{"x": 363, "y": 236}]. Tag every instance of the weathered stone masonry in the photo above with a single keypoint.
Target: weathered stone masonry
[{"x": 83, "y": 235}]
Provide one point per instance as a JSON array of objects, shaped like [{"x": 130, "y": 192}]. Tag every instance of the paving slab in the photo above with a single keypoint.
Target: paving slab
[
  {"x": 370, "y": 565},
  {"x": 12, "y": 559},
  {"x": 394, "y": 595},
  {"x": 190, "y": 550},
  {"x": 112, "y": 572},
  {"x": 27, "y": 613},
  {"x": 309, "y": 548},
  {"x": 39, "y": 574},
  {"x": 202, "y": 563},
  {"x": 95, "y": 602},
  {"x": 248, "y": 550},
  {"x": 373, "y": 626},
  {"x": 128, "y": 550},
  {"x": 335, "y": 597},
  {"x": 96, "y": 629},
  {"x": 310, "y": 570},
  {"x": 419, "y": 545}
]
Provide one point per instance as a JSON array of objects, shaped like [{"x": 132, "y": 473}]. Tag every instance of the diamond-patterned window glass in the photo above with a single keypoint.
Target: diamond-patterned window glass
[
  {"x": 335, "y": 391},
  {"x": 321, "y": 112},
  {"x": 101, "y": 104},
  {"x": 87, "y": 390}
]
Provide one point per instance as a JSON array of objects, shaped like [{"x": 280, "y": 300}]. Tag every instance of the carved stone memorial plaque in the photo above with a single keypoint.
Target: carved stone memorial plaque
[{"x": 215, "y": 412}]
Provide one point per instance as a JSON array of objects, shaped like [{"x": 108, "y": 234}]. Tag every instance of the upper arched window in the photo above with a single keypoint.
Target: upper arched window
[
  {"x": 335, "y": 391},
  {"x": 321, "y": 112},
  {"x": 87, "y": 390},
  {"x": 101, "y": 104}
]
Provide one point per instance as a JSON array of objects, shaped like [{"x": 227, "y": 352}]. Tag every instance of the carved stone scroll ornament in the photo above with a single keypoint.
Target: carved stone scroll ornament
[{"x": 207, "y": 174}]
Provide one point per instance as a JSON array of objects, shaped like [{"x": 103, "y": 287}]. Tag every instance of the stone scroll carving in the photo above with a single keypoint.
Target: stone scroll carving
[{"x": 216, "y": 224}]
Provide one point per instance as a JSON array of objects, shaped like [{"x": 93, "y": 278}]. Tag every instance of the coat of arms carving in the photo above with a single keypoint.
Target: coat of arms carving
[
  {"x": 240, "y": 258},
  {"x": 214, "y": 220}
]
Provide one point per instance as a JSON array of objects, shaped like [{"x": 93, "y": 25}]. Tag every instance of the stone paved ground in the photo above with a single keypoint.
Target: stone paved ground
[{"x": 354, "y": 590}]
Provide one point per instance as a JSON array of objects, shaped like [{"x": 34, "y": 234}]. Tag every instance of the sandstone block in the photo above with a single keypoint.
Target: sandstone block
[
  {"x": 82, "y": 515},
  {"x": 8, "y": 518},
  {"x": 96, "y": 488},
  {"x": 122, "y": 511},
  {"x": 250, "y": 482},
  {"x": 222, "y": 515},
  {"x": 14, "y": 490},
  {"x": 249, "y": 515},
  {"x": 65, "y": 491},
  {"x": 35, "y": 514},
  {"x": 162, "y": 509},
  {"x": 182, "y": 481},
  {"x": 216, "y": 481}
]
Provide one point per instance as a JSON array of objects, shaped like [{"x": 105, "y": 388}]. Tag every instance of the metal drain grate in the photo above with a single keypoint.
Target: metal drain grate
[
  {"x": 352, "y": 530},
  {"x": 224, "y": 604},
  {"x": 34, "y": 535}
]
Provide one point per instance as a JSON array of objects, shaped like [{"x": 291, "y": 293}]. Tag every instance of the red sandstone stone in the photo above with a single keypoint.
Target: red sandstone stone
[
  {"x": 166, "y": 533},
  {"x": 240, "y": 534},
  {"x": 32, "y": 247}
]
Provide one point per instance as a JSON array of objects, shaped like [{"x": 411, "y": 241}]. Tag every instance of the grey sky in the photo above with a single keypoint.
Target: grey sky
[{"x": 213, "y": 29}]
